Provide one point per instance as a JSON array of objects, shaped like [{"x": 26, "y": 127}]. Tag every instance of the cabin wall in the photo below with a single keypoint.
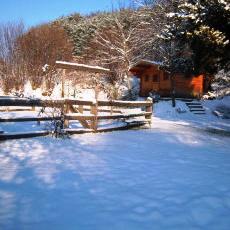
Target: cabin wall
[
  {"x": 150, "y": 80},
  {"x": 207, "y": 82},
  {"x": 146, "y": 82},
  {"x": 165, "y": 84},
  {"x": 153, "y": 79},
  {"x": 189, "y": 86}
]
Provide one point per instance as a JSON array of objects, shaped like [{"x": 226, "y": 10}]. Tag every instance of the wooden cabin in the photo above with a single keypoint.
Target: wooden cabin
[{"x": 153, "y": 78}]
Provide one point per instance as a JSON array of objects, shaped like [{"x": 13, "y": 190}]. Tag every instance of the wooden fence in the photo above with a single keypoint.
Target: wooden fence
[{"x": 88, "y": 113}]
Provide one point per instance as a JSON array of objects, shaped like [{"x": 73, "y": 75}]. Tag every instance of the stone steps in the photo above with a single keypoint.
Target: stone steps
[
  {"x": 193, "y": 103},
  {"x": 195, "y": 107},
  {"x": 197, "y": 110},
  {"x": 199, "y": 113}
]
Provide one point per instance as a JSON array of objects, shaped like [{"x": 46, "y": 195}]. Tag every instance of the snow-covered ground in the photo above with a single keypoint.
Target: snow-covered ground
[
  {"x": 174, "y": 175},
  {"x": 168, "y": 177},
  {"x": 70, "y": 91},
  {"x": 163, "y": 111}
]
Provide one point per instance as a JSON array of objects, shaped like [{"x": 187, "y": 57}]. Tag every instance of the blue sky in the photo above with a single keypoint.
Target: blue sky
[{"x": 34, "y": 12}]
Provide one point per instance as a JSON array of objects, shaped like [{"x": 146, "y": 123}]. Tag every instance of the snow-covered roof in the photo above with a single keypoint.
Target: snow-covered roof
[
  {"x": 142, "y": 64},
  {"x": 145, "y": 62},
  {"x": 81, "y": 67}
]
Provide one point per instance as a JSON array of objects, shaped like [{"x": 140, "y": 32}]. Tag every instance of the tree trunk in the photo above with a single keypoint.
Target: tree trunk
[
  {"x": 128, "y": 80},
  {"x": 173, "y": 91},
  {"x": 62, "y": 84}
]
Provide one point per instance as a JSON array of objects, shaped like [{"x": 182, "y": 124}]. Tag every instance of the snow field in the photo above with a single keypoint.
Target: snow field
[
  {"x": 164, "y": 111},
  {"x": 170, "y": 177}
]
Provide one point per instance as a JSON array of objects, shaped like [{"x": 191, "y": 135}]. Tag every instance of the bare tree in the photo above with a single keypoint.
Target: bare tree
[
  {"x": 40, "y": 46},
  {"x": 114, "y": 42},
  {"x": 9, "y": 33},
  {"x": 153, "y": 17},
  {"x": 12, "y": 76}
]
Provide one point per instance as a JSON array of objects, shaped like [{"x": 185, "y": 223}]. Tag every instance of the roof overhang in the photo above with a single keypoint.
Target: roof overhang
[
  {"x": 81, "y": 67},
  {"x": 141, "y": 65}
]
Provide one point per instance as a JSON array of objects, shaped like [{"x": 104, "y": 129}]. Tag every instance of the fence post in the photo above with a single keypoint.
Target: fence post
[
  {"x": 111, "y": 110},
  {"x": 149, "y": 108},
  {"x": 81, "y": 108},
  {"x": 66, "y": 110},
  {"x": 94, "y": 112}
]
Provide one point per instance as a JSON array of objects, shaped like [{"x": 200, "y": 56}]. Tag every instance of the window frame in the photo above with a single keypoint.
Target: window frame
[
  {"x": 165, "y": 77},
  {"x": 146, "y": 77},
  {"x": 155, "y": 78}
]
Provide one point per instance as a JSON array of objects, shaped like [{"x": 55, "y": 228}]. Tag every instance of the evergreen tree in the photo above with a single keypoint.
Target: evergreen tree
[{"x": 204, "y": 27}]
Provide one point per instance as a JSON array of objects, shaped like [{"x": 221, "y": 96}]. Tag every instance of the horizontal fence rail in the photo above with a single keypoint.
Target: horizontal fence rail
[
  {"x": 61, "y": 102},
  {"x": 26, "y": 119},
  {"x": 106, "y": 117},
  {"x": 87, "y": 113}
]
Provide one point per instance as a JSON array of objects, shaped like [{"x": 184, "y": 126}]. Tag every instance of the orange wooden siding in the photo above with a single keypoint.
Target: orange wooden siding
[
  {"x": 189, "y": 86},
  {"x": 154, "y": 79}
]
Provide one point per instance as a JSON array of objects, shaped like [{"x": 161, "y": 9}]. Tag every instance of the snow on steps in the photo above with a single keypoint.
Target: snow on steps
[
  {"x": 195, "y": 107},
  {"x": 1, "y": 130},
  {"x": 177, "y": 98}
]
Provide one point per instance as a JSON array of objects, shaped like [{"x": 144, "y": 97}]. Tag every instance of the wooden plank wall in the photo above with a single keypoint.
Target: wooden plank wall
[
  {"x": 185, "y": 86},
  {"x": 148, "y": 86},
  {"x": 190, "y": 86}
]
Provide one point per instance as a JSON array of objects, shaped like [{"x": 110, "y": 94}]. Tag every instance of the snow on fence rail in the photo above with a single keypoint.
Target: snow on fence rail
[
  {"x": 73, "y": 109},
  {"x": 60, "y": 102},
  {"x": 81, "y": 67}
]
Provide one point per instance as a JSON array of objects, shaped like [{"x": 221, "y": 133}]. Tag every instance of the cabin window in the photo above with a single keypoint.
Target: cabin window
[
  {"x": 146, "y": 77},
  {"x": 165, "y": 77},
  {"x": 155, "y": 78}
]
